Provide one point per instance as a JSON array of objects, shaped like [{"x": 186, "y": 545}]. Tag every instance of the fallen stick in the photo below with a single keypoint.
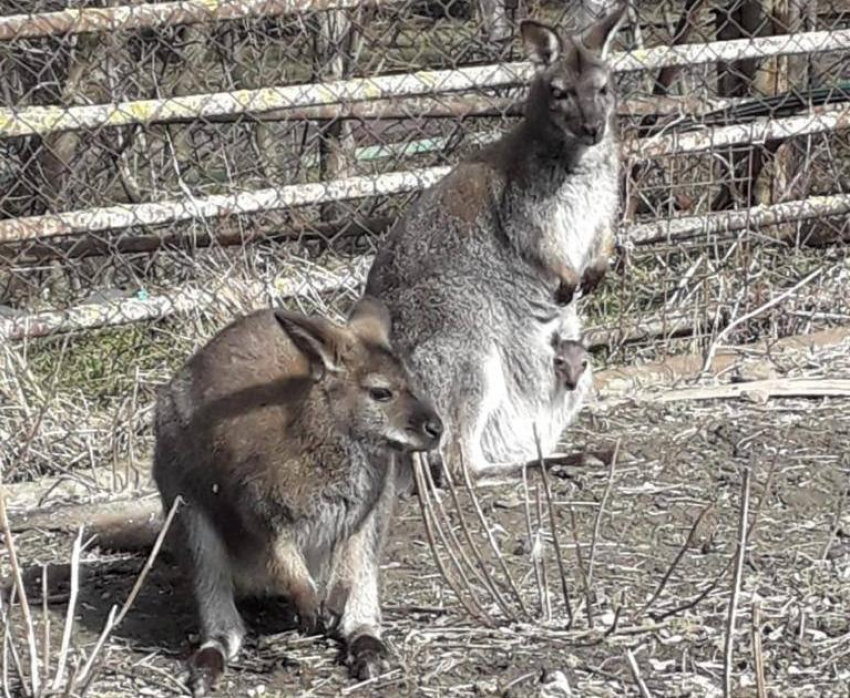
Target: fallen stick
[
  {"x": 729, "y": 644},
  {"x": 766, "y": 389},
  {"x": 633, "y": 667},
  {"x": 761, "y": 689}
]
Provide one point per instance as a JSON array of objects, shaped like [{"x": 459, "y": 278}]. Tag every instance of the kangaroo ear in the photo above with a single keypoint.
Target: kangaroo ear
[
  {"x": 319, "y": 339},
  {"x": 600, "y": 35},
  {"x": 370, "y": 320},
  {"x": 541, "y": 42}
]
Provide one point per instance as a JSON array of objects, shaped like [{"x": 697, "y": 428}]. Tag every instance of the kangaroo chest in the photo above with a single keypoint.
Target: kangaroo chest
[{"x": 572, "y": 213}]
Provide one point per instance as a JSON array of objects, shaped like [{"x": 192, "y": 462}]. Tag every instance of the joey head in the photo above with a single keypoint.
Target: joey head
[{"x": 570, "y": 362}]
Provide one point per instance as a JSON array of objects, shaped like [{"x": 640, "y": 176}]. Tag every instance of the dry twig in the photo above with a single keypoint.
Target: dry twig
[
  {"x": 761, "y": 689},
  {"x": 688, "y": 541},
  {"x": 67, "y": 630},
  {"x": 555, "y": 541},
  {"x": 481, "y": 572},
  {"x": 426, "y": 512},
  {"x": 736, "y": 584},
  {"x": 633, "y": 666},
  {"x": 451, "y": 545},
  {"x": 597, "y": 524},
  {"x": 588, "y": 599},
  {"x": 470, "y": 489},
  {"x": 87, "y": 673},
  {"x": 18, "y": 582},
  {"x": 534, "y": 549}
]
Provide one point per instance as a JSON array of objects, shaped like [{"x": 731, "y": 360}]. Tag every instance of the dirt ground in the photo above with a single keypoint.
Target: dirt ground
[{"x": 675, "y": 459}]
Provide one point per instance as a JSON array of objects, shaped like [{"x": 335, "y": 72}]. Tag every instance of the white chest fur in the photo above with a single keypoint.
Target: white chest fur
[{"x": 582, "y": 206}]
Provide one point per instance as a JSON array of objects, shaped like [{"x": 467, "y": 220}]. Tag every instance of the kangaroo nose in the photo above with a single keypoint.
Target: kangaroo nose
[
  {"x": 433, "y": 427},
  {"x": 593, "y": 132}
]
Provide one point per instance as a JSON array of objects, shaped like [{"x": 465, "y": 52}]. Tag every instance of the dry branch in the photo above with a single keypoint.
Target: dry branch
[
  {"x": 271, "y": 199},
  {"x": 18, "y": 582},
  {"x": 679, "y": 555},
  {"x": 597, "y": 523},
  {"x": 764, "y": 389},
  {"x": 189, "y": 299},
  {"x": 484, "y": 576},
  {"x": 588, "y": 596},
  {"x": 85, "y": 676},
  {"x": 453, "y": 547},
  {"x": 776, "y": 300},
  {"x": 535, "y": 551},
  {"x": 819, "y": 120},
  {"x": 633, "y": 667},
  {"x": 427, "y": 513},
  {"x": 740, "y": 555},
  {"x": 494, "y": 546},
  {"x": 556, "y": 543},
  {"x": 758, "y": 656},
  {"x": 68, "y": 628}
]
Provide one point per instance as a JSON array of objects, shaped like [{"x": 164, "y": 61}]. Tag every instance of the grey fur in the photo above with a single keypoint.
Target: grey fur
[
  {"x": 282, "y": 436},
  {"x": 472, "y": 273}
]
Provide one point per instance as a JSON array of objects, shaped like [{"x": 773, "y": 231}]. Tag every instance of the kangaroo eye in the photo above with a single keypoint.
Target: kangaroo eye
[
  {"x": 604, "y": 90},
  {"x": 558, "y": 93},
  {"x": 380, "y": 394}
]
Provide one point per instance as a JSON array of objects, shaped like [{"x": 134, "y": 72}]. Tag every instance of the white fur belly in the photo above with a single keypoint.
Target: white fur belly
[
  {"x": 576, "y": 214},
  {"x": 520, "y": 415}
]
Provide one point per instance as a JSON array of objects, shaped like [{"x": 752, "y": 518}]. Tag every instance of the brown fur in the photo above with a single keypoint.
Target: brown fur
[{"x": 279, "y": 435}]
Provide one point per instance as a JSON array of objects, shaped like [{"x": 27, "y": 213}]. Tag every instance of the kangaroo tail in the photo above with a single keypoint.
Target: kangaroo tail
[{"x": 129, "y": 526}]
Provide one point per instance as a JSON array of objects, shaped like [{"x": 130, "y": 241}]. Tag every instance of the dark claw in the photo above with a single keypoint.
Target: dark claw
[
  {"x": 308, "y": 622},
  {"x": 333, "y": 607},
  {"x": 205, "y": 666},
  {"x": 564, "y": 293},
  {"x": 593, "y": 275},
  {"x": 367, "y": 658}
]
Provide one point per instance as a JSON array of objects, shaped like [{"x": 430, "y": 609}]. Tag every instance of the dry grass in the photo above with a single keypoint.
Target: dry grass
[{"x": 667, "y": 556}]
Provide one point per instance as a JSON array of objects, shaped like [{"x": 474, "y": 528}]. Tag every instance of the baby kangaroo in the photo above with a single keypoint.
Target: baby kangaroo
[
  {"x": 570, "y": 361},
  {"x": 281, "y": 436}
]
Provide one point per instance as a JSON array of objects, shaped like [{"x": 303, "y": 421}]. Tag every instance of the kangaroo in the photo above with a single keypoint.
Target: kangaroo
[
  {"x": 570, "y": 362},
  {"x": 471, "y": 273},
  {"x": 281, "y": 436}
]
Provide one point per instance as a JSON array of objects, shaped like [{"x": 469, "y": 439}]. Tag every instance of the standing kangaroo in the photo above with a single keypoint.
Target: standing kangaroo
[
  {"x": 281, "y": 437},
  {"x": 479, "y": 272}
]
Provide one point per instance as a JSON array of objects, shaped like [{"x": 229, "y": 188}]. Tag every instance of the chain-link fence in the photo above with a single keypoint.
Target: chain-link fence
[{"x": 166, "y": 166}]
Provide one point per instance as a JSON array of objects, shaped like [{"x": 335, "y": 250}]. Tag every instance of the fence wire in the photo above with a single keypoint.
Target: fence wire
[{"x": 166, "y": 166}]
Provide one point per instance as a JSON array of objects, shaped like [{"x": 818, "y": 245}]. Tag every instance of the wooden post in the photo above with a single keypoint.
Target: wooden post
[
  {"x": 336, "y": 51},
  {"x": 740, "y": 19},
  {"x": 792, "y": 74}
]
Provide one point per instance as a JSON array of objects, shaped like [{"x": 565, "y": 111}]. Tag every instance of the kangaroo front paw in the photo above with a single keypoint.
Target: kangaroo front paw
[
  {"x": 205, "y": 667},
  {"x": 594, "y": 274},
  {"x": 309, "y": 611},
  {"x": 568, "y": 282},
  {"x": 334, "y": 606},
  {"x": 367, "y": 658}
]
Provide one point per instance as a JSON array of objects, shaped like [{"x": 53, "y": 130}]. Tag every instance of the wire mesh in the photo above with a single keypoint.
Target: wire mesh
[{"x": 166, "y": 166}]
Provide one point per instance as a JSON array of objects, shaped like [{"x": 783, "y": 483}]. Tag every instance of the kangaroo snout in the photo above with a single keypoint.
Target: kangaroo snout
[
  {"x": 592, "y": 133},
  {"x": 425, "y": 428}
]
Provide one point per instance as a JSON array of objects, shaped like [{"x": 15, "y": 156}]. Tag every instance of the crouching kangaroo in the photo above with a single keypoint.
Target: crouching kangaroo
[
  {"x": 281, "y": 436},
  {"x": 479, "y": 272}
]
